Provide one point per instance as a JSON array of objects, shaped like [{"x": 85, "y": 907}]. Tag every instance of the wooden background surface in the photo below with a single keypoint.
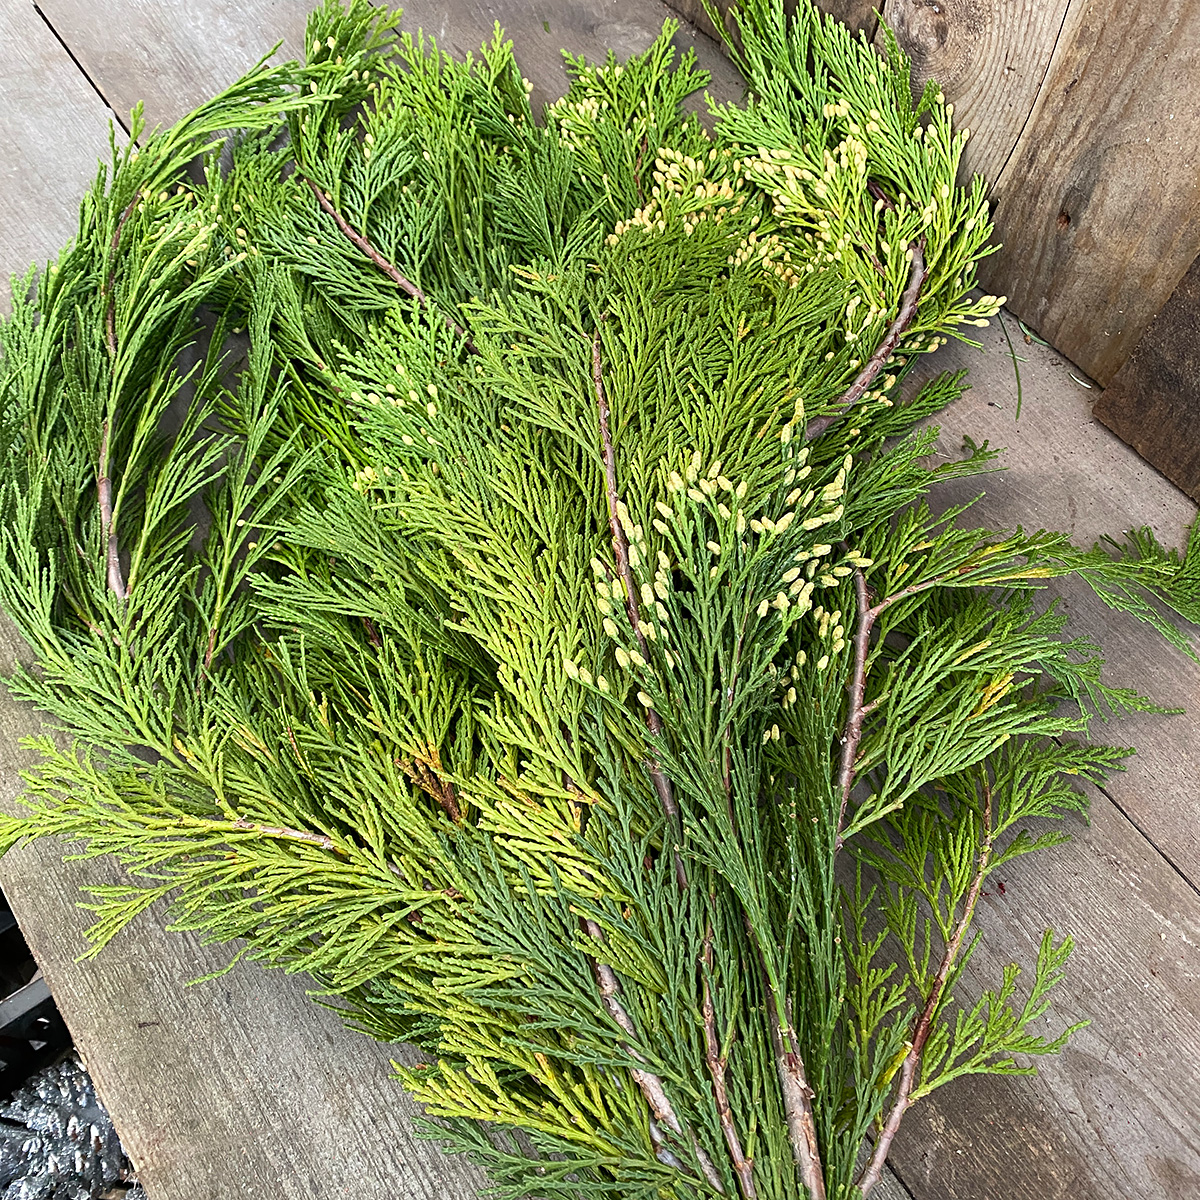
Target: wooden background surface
[{"x": 244, "y": 1088}]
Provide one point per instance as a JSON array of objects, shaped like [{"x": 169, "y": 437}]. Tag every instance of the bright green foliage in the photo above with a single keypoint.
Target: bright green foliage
[{"x": 359, "y": 683}]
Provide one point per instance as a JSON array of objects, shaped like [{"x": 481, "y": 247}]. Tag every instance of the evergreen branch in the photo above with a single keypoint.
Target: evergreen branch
[
  {"x": 620, "y": 541},
  {"x": 396, "y": 276},
  {"x": 873, "y": 1171},
  {"x": 856, "y": 687},
  {"x": 417, "y": 599},
  {"x": 116, "y": 580},
  {"x": 863, "y": 380},
  {"x": 743, "y": 1167},
  {"x": 649, "y": 1084}
]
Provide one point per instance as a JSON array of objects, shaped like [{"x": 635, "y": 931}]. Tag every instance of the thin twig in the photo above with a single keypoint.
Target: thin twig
[
  {"x": 294, "y": 835},
  {"x": 649, "y": 1084},
  {"x": 662, "y": 785},
  {"x": 875, "y": 190},
  {"x": 743, "y": 1167},
  {"x": 274, "y": 831},
  {"x": 915, "y": 589},
  {"x": 856, "y": 712},
  {"x": 403, "y": 282},
  {"x": 637, "y": 168},
  {"x": 116, "y": 580},
  {"x": 873, "y": 1171},
  {"x": 209, "y": 650},
  {"x": 863, "y": 380}
]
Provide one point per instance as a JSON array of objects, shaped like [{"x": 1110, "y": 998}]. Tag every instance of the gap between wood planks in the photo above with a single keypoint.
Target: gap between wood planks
[
  {"x": 124, "y": 124},
  {"x": 1103, "y": 790}
]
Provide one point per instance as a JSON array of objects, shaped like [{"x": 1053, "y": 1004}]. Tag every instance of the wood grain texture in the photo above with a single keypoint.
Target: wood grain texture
[
  {"x": 52, "y": 128},
  {"x": 1153, "y": 402},
  {"x": 988, "y": 56},
  {"x": 1099, "y": 206},
  {"x": 174, "y": 54}
]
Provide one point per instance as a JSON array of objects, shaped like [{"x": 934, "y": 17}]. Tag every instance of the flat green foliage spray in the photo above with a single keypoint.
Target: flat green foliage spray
[{"x": 483, "y": 560}]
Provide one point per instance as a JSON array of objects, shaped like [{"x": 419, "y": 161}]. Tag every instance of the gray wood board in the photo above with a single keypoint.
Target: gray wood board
[
  {"x": 1153, "y": 402},
  {"x": 53, "y": 128},
  {"x": 173, "y": 54},
  {"x": 1098, "y": 201},
  {"x": 245, "y": 1081}
]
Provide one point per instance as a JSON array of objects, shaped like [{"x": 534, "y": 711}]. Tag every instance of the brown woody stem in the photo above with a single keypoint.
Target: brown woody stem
[
  {"x": 879, "y": 194},
  {"x": 797, "y": 1099},
  {"x": 649, "y": 1084},
  {"x": 867, "y": 376},
  {"x": 858, "y": 710},
  {"x": 402, "y": 281},
  {"x": 873, "y": 1171},
  {"x": 116, "y": 580},
  {"x": 210, "y": 649},
  {"x": 620, "y": 542},
  {"x": 743, "y": 1167},
  {"x": 273, "y": 831}
]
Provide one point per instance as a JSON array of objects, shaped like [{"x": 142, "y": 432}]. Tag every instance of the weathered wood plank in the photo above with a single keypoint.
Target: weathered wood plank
[
  {"x": 1098, "y": 205},
  {"x": 174, "y": 55},
  {"x": 1115, "y": 1114},
  {"x": 52, "y": 127},
  {"x": 989, "y": 58},
  {"x": 1153, "y": 402}
]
